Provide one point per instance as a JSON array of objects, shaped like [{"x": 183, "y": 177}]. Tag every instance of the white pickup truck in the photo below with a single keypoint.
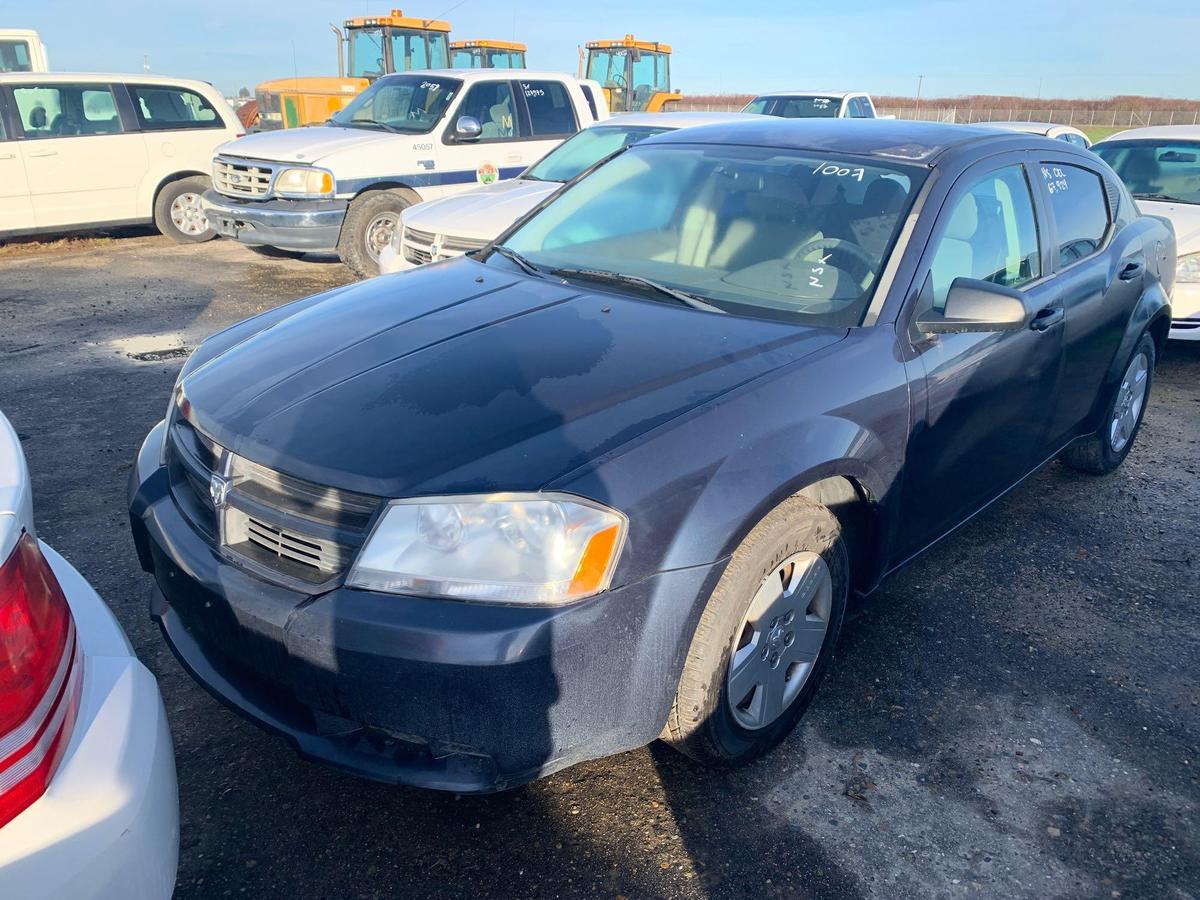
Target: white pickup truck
[
  {"x": 815, "y": 105},
  {"x": 408, "y": 138}
]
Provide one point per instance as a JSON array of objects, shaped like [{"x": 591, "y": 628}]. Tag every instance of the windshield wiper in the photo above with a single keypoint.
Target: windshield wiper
[
  {"x": 638, "y": 281},
  {"x": 384, "y": 125},
  {"x": 526, "y": 265},
  {"x": 1162, "y": 197}
]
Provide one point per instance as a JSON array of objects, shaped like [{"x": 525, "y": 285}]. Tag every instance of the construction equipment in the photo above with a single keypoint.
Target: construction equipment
[
  {"x": 21, "y": 50},
  {"x": 636, "y": 74},
  {"x": 487, "y": 55},
  {"x": 374, "y": 46}
]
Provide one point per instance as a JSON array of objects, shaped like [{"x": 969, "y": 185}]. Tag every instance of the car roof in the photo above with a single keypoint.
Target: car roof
[
  {"x": 1031, "y": 127},
  {"x": 920, "y": 142},
  {"x": 1157, "y": 133},
  {"x": 100, "y": 78},
  {"x": 676, "y": 119},
  {"x": 842, "y": 94}
]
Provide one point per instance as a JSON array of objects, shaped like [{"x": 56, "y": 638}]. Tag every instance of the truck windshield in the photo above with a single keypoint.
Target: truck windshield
[
  {"x": 573, "y": 157},
  {"x": 14, "y": 56},
  {"x": 759, "y": 231},
  {"x": 612, "y": 68},
  {"x": 1156, "y": 170},
  {"x": 809, "y": 107},
  {"x": 406, "y": 104}
]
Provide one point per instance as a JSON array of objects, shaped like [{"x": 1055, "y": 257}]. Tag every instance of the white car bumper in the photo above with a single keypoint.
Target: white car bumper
[
  {"x": 107, "y": 827},
  {"x": 1185, "y": 312}
]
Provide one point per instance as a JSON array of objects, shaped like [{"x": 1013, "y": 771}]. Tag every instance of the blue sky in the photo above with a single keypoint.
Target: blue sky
[{"x": 1072, "y": 48}]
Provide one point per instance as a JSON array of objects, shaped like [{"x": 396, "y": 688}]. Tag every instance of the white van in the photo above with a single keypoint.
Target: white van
[
  {"x": 407, "y": 138},
  {"x": 92, "y": 151}
]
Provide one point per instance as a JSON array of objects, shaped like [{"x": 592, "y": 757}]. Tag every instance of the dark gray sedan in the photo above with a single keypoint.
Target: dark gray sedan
[{"x": 616, "y": 476}]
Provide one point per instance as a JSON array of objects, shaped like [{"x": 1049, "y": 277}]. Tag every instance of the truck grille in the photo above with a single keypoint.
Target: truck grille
[
  {"x": 283, "y": 528},
  {"x": 242, "y": 177},
  {"x": 418, "y": 246}
]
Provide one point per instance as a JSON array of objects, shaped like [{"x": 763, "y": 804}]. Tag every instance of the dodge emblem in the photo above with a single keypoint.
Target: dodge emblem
[{"x": 218, "y": 491}]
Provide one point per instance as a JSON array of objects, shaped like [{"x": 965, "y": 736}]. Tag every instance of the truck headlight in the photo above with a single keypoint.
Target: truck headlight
[
  {"x": 529, "y": 549},
  {"x": 304, "y": 183},
  {"x": 1188, "y": 268}
]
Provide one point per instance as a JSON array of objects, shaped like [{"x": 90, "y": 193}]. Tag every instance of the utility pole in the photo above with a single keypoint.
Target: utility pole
[
  {"x": 146, "y": 63},
  {"x": 917, "y": 111}
]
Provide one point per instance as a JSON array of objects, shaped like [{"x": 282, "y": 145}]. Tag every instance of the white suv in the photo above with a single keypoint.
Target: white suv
[{"x": 91, "y": 151}]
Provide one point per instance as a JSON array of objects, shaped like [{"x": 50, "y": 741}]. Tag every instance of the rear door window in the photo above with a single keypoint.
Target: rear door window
[
  {"x": 1077, "y": 199},
  {"x": 66, "y": 110},
  {"x": 551, "y": 112},
  {"x": 161, "y": 108}
]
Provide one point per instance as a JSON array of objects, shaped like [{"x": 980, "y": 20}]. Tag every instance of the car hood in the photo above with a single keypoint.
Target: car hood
[
  {"x": 462, "y": 377},
  {"x": 304, "y": 145},
  {"x": 1184, "y": 216},
  {"x": 482, "y": 213}
]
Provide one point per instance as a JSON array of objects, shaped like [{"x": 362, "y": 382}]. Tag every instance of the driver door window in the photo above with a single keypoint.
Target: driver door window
[
  {"x": 989, "y": 233},
  {"x": 492, "y": 103}
]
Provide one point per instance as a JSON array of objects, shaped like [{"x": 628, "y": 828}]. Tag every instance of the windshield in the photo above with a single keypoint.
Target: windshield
[
  {"x": 810, "y": 107},
  {"x": 410, "y": 104},
  {"x": 607, "y": 66},
  {"x": 575, "y": 156},
  {"x": 1156, "y": 170},
  {"x": 750, "y": 230},
  {"x": 487, "y": 58}
]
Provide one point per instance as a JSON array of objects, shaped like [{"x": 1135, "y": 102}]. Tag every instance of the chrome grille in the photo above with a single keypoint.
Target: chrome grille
[
  {"x": 420, "y": 247},
  {"x": 242, "y": 177},
  {"x": 283, "y": 527}
]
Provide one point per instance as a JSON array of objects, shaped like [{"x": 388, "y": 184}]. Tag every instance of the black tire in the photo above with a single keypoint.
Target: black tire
[
  {"x": 369, "y": 211},
  {"x": 1097, "y": 455},
  {"x": 275, "y": 252},
  {"x": 192, "y": 227},
  {"x": 702, "y": 722}
]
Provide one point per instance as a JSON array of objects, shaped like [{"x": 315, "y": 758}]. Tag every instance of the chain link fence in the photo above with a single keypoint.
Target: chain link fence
[{"x": 1080, "y": 118}]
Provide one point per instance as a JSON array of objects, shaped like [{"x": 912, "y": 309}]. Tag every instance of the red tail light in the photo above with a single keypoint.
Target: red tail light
[{"x": 41, "y": 672}]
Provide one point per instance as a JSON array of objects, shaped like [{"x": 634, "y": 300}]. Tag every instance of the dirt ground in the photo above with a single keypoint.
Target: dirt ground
[{"x": 1014, "y": 715}]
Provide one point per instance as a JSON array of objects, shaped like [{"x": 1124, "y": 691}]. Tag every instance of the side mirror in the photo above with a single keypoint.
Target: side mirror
[
  {"x": 467, "y": 128},
  {"x": 974, "y": 305}
]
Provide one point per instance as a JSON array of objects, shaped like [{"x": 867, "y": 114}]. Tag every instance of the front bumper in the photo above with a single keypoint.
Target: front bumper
[
  {"x": 1185, "y": 312},
  {"x": 299, "y": 225},
  {"x": 431, "y": 693},
  {"x": 107, "y": 827}
]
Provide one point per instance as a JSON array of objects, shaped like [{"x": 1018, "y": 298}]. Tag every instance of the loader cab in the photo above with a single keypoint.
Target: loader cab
[
  {"x": 487, "y": 55},
  {"x": 380, "y": 45},
  {"x": 636, "y": 75}
]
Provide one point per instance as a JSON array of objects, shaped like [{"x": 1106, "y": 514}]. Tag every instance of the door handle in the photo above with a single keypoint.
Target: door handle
[
  {"x": 9, "y": 156},
  {"x": 1047, "y": 317},
  {"x": 44, "y": 153},
  {"x": 1131, "y": 270}
]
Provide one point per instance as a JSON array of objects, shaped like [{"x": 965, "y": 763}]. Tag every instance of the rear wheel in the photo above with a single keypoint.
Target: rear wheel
[
  {"x": 765, "y": 638},
  {"x": 1107, "y": 448},
  {"x": 371, "y": 223},
  {"x": 178, "y": 214}
]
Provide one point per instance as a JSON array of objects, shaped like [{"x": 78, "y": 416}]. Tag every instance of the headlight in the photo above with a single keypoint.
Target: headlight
[
  {"x": 1188, "y": 268},
  {"x": 535, "y": 549},
  {"x": 304, "y": 183},
  {"x": 177, "y": 402}
]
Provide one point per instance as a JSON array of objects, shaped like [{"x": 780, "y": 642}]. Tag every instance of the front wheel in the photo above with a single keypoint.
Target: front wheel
[
  {"x": 765, "y": 638},
  {"x": 372, "y": 221},
  {"x": 178, "y": 214},
  {"x": 1103, "y": 451}
]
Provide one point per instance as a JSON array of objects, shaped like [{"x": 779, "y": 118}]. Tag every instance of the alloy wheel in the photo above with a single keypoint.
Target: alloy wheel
[
  {"x": 779, "y": 640},
  {"x": 187, "y": 215},
  {"x": 1131, "y": 397}
]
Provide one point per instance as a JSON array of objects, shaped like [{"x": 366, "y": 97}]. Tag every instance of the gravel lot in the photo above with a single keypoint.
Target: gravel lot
[{"x": 1015, "y": 715}]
